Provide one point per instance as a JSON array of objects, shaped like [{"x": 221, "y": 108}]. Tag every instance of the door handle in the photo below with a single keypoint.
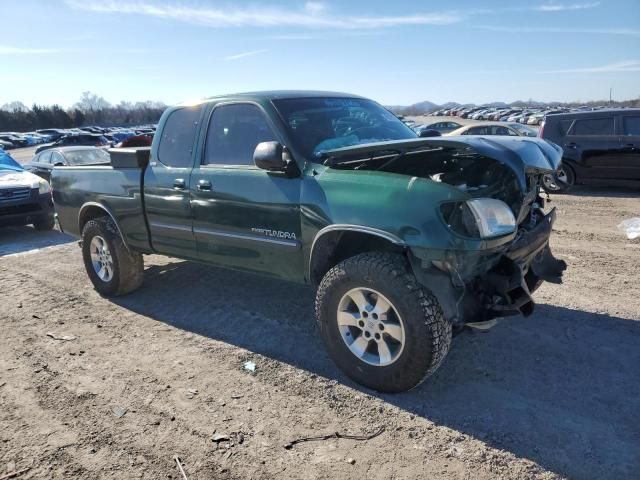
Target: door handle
[
  {"x": 204, "y": 185},
  {"x": 571, "y": 145},
  {"x": 179, "y": 184}
]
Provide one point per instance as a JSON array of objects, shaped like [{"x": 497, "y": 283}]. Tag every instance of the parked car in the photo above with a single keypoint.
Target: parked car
[
  {"x": 442, "y": 127},
  {"x": 600, "y": 147},
  {"x": 77, "y": 140},
  {"x": 136, "y": 141},
  {"x": 496, "y": 128},
  {"x": 405, "y": 237},
  {"x": 52, "y": 134},
  {"x": 15, "y": 140},
  {"x": 24, "y": 197},
  {"x": 44, "y": 162},
  {"x": 5, "y": 145}
]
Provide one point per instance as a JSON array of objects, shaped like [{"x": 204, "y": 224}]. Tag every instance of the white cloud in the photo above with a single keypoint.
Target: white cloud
[
  {"x": 312, "y": 15},
  {"x": 243, "y": 55},
  {"x": 625, "y": 66},
  {"x": 7, "y": 50},
  {"x": 315, "y": 8},
  {"x": 563, "y": 7},
  {"x": 590, "y": 31}
]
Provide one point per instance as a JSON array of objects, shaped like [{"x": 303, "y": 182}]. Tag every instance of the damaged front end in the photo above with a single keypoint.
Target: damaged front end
[{"x": 497, "y": 259}]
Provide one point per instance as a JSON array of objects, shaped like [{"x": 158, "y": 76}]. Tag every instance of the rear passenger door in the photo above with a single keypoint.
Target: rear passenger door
[
  {"x": 167, "y": 198},
  {"x": 629, "y": 149},
  {"x": 244, "y": 217},
  {"x": 595, "y": 143}
]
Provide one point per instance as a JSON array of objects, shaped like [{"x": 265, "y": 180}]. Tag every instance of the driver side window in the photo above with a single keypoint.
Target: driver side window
[{"x": 233, "y": 134}]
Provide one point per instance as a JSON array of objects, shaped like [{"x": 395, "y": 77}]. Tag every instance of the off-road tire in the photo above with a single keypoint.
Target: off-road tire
[
  {"x": 128, "y": 266},
  {"x": 47, "y": 225},
  {"x": 427, "y": 332}
]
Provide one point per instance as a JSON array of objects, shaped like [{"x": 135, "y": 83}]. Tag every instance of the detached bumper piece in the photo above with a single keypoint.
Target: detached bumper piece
[{"x": 528, "y": 261}]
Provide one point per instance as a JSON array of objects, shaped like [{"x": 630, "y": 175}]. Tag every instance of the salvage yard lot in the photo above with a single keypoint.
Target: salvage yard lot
[{"x": 553, "y": 395}]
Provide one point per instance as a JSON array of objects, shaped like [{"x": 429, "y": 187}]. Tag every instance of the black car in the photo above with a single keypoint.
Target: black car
[
  {"x": 600, "y": 147},
  {"x": 88, "y": 140},
  {"x": 442, "y": 127},
  {"x": 53, "y": 133},
  {"x": 24, "y": 198},
  {"x": 44, "y": 162}
]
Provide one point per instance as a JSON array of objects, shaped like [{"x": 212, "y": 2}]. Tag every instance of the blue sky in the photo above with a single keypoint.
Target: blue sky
[{"x": 397, "y": 52}]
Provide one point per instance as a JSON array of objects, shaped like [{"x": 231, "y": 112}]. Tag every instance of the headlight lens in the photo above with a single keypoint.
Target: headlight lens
[
  {"x": 493, "y": 217},
  {"x": 44, "y": 187},
  {"x": 479, "y": 218}
]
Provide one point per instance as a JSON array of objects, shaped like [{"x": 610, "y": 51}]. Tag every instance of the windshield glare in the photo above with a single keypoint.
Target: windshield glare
[
  {"x": 317, "y": 125},
  {"x": 87, "y": 157}
]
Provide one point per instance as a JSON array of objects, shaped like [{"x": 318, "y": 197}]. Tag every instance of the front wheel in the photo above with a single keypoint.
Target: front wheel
[
  {"x": 112, "y": 268},
  {"x": 381, "y": 327}
]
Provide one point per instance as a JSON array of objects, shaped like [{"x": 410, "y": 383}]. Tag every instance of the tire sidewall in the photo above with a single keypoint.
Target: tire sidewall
[
  {"x": 417, "y": 353},
  {"x": 92, "y": 229}
]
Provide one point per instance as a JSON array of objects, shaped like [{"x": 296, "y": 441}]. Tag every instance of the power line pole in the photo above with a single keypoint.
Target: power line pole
[{"x": 610, "y": 95}]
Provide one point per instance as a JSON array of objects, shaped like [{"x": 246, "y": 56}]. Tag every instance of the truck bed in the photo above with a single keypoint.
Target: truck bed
[{"x": 118, "y": 190}]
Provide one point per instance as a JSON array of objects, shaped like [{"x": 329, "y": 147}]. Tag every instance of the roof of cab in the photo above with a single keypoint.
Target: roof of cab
[{"x": 272, "y": 95}]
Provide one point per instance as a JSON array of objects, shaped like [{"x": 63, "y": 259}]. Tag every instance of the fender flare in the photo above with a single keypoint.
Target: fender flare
[
  {"x": 87, "y": 205},
  {"x": 345, "y": 227}
]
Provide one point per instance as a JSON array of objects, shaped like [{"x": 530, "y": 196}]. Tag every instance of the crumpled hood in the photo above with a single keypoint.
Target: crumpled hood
[
  {"x": 523, "y": 154},
  {"x": 13, "y": 179}
]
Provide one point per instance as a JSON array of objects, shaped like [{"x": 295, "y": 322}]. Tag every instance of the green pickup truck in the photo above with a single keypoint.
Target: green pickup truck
[{"x": 405, "y": 238}]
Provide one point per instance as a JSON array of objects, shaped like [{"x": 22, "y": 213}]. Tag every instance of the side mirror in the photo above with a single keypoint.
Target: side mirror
[{"x": 270, "y": 156}]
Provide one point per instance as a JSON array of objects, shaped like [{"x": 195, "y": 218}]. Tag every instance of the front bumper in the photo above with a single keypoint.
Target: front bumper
[
  {"x": 37, "y": 208},
  {"x": 503, "y": 283}
]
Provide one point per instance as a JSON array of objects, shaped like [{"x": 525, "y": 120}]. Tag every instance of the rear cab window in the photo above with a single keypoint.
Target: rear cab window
[{"x": 178, "y": 137}]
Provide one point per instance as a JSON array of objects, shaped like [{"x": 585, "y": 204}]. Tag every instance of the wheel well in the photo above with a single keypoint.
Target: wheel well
[
  {"x": 90, "y": 213},
  {"x": 336, "y": 246}
]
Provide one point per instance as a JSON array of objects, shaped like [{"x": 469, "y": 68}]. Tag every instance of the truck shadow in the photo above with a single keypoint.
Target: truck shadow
[
  {"x": 561, "y": 388},
  {"x": 15, "y": 240}
]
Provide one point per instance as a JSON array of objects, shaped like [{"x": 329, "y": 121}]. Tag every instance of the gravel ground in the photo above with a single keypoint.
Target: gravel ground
[{"x": 99, "y": 388}]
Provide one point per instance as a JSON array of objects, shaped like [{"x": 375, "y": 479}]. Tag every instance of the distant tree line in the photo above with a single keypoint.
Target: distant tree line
[{"x": 91, "y": 109}]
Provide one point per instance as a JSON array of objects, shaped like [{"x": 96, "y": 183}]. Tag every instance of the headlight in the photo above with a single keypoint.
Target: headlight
[
  {"x": 44, "y": 187},
  {"x": 493, "y": 217},
  {"x": 479, "y": 218}
]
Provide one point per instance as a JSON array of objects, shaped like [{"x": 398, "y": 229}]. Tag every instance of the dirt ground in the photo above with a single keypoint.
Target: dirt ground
[{"x": 114, "y": 389}]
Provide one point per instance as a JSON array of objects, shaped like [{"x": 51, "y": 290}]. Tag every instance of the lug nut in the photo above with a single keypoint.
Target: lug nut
[
  {"x": 367, "y": 334},
  {"x": 377, "y": 335}
]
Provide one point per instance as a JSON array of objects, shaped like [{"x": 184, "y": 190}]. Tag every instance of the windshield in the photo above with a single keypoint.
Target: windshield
[
  {"x": 8, "y": 163},
  {"x": 87, "y": 157},
  {"x": 317, "y": 125},
  {"x": 524, "y": 130}
]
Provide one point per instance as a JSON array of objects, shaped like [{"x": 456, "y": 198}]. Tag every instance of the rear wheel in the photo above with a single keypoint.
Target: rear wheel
[
  {"x": 112, "y": 268},
  {"x": 381, "y": 327}
]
